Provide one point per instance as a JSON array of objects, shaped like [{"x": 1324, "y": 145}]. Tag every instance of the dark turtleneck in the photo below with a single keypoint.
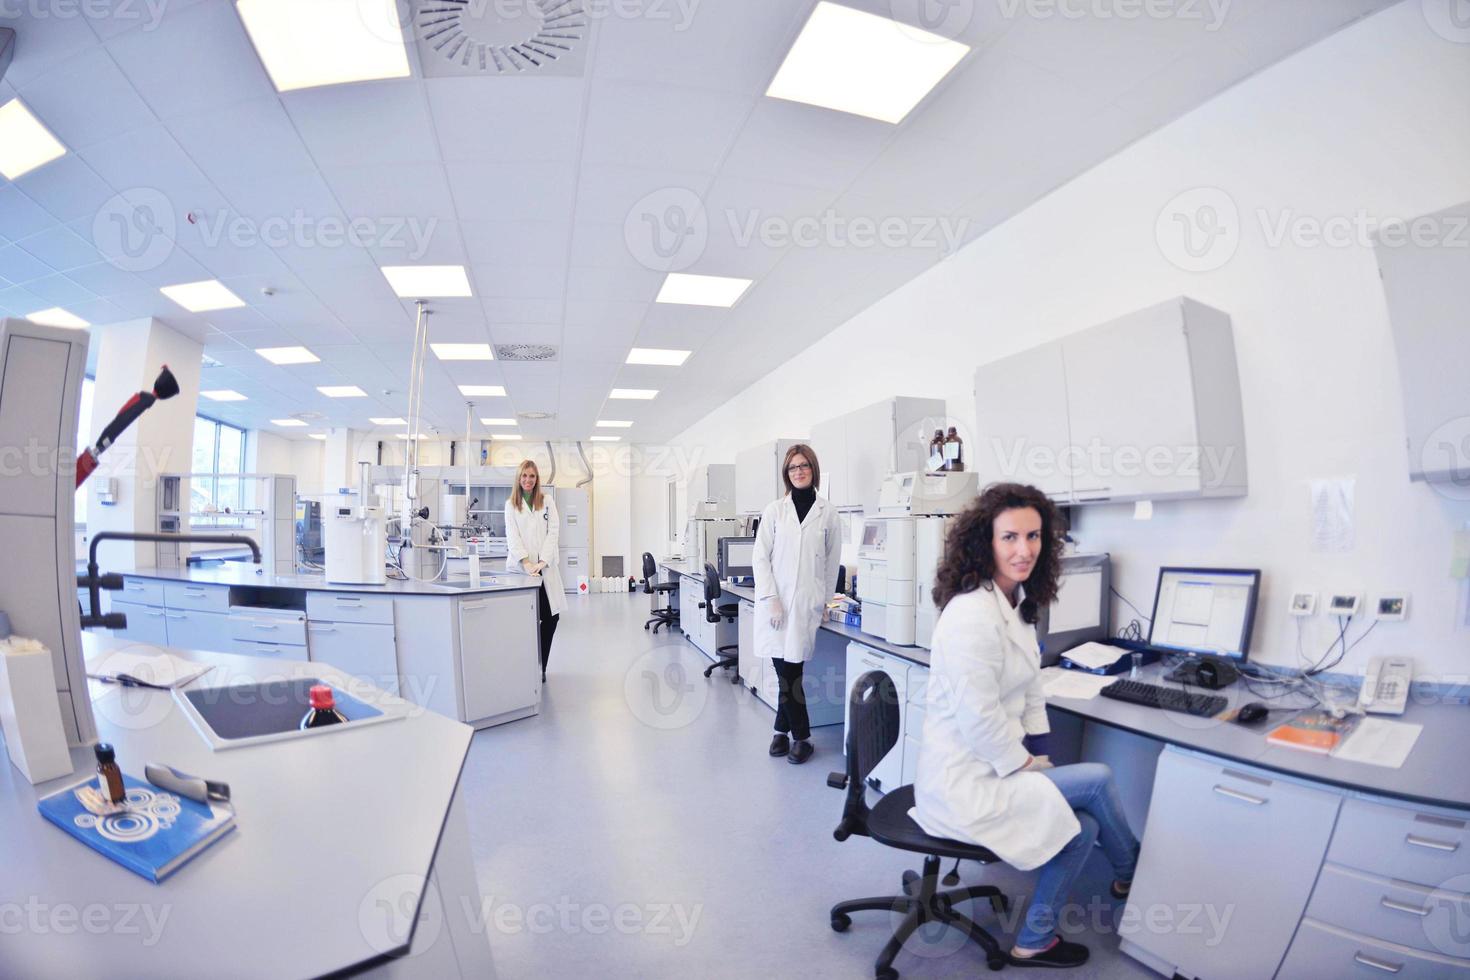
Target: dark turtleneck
[{"x": 803, "y": 499}]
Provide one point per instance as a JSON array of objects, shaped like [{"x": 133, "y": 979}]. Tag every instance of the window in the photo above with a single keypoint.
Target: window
[
  {"x": 84, "y": 423},
  {"x": 219, "y": 449}
]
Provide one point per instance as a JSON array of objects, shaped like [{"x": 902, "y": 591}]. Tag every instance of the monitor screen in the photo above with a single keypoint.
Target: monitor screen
[
  {"x": 737, "y": 556},
  {"x": 1205, "y": 610}
]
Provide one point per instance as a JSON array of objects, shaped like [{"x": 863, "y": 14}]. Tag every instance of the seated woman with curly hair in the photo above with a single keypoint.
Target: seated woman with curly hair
[{"x": 983, "y": 776}]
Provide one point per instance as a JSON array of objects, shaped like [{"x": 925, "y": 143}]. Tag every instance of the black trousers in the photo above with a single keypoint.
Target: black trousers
[
  {"x": 548, "y": 625},
  {"x": 791, "y": 713}
]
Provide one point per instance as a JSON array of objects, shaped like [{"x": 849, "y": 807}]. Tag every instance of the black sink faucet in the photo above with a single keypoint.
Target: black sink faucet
[{"x": 93, "y": 582}]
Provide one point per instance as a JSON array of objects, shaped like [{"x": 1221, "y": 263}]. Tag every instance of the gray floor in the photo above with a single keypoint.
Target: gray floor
[{"x": 636, "y": 827}]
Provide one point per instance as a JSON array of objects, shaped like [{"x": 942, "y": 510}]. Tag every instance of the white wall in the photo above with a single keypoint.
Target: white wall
[{"x": 1374, "y": 121}]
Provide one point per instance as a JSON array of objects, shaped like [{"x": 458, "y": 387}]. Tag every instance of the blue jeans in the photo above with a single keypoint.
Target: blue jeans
[{"x": 1089, "y": 788}]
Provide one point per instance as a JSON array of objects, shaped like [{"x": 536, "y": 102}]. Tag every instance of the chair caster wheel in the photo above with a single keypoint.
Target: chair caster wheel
[
  {"x": 735, "y": 679},
  {"x": 840, "y": 922},
  {"x": 1000, "y": 904},
  {"x": 707, "y": 673},
  {"x": 995, "y": 962},
  {"x": 888, "y": 973},
  {"x": 910, "y": 882}
]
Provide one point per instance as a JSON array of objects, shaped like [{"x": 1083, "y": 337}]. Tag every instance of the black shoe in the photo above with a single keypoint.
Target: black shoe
[
  {"x": 1061, "y": 956},
  {"x": 780, "y": 745},
  {"x": 801, "y": 751}
]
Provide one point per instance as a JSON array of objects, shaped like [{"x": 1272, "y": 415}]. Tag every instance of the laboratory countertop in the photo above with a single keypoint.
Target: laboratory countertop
[
  {"x": 257, "y": 576},
  {"x": 325, "y": 824}
]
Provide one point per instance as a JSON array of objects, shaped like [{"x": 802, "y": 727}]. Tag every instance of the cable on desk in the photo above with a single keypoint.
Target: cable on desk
[{"x": 1130, "y": 605}]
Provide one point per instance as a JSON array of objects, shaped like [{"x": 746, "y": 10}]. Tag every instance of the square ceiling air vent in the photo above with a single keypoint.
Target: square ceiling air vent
[
  {"x": 458, "y": 38},
  {"x": 525, "y": 352}
]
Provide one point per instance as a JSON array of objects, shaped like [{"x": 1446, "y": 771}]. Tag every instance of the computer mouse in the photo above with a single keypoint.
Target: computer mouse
[{"x": 1251, "y": 713}]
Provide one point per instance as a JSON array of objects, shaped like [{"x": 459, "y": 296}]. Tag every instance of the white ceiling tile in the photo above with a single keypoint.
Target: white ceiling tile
[
  {"x": 97, "y": 311},
  {"x": 87, "y": 98},
  {"x": 67, "y": 188},
  {"x": 393, "y": 193},
  {"x": 59, "y": 248},
  {"x": 503, "y": 309},
  {"x": 604, "y": 246},
  {"x": 18, "y": 265},
  {"x": 19, "y": 215},
  {"x": 412, "y": 240},
  {"x": 43, "y": 41},
  {"x": 177, "y": 267},
  {"x": 785, "y": 142},
  {"x": 613, "y": 284},
  {"x": 614, "y": 315},
  {"x": 240, "y": 320},
  {"x": 523, "y": 281},
  {"x": 612, "y": 195},
  {"x": 19, "y": 301},
  {"x": 690, "y": 130},
  {"x": 508, "y": 242},
  {"x": 249, "y": 138},
  {"x": 106, "y": 279},
  {"x": 1203, "y": 72},
  {"x": 366, "y": 124},
  {"x": 513, "y": 192},
  {"x": 147, "y": 157},
  {"x": 507, "y": 119},
  {"x": 110, "y": 18},
  {"x": 58, "y": 290}
]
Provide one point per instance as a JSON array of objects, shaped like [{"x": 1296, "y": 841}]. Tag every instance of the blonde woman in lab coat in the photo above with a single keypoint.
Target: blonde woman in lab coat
[
  {"x": 983, "y": 774},
  {"x": 797, "y": 550},
  {"x": 532, "y": 528}
]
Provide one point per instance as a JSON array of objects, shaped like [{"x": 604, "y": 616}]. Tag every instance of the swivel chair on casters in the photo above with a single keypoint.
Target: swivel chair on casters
[
  {"x": 712, "y": 614},
  {"x": 872, "y": 731},
  {"x": 662, "y": 615}
]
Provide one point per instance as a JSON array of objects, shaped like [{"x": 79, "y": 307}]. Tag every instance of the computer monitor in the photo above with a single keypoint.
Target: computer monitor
[
  {"x": 737, "y": 558},
  {"x": 1080, "y": 612},
  {"x": 1207, "y": 611}
]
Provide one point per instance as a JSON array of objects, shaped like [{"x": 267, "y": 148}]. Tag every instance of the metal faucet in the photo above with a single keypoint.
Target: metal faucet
[{"x": 112, "y": 582}]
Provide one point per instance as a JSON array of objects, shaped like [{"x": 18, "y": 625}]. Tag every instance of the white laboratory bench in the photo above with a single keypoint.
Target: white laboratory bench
[{"x": 350, "y": 855}]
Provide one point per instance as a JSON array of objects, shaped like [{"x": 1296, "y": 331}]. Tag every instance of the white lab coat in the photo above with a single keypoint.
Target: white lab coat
[
  {"x": 797, "y": 562},
  {"x": 984, "y": 694},
  {"x": 534, "y": 535}
]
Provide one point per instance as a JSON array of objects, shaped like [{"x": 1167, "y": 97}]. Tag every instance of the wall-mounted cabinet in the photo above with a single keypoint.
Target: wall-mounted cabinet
[
  {"x": 712, "y": 491},
  {"x": 1144, "y": 407},
  {"x": 758, "y": 475},
  {"x": 859, "y": 449}
]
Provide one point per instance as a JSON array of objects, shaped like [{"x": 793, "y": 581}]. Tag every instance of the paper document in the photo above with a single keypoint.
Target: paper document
[
  {"x": 146, "y": 666},
  {"x": 1379, "y": 742},
  {"x": 1058, "y": 682},
  {"x": 1094, "y": 655}
]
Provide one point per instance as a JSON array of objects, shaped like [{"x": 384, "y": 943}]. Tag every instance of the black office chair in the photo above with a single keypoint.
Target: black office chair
[
  {"x": 872, "y": 731},
  {"x": 712, "y": 614},
  {"x": 662, "y": 615}
]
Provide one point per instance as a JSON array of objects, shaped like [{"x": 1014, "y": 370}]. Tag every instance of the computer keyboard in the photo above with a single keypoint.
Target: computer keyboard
[{"x": 1168, "y": 698}]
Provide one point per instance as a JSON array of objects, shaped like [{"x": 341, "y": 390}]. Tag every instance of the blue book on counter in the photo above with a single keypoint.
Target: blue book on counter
[{"x": 154, "y": 836}]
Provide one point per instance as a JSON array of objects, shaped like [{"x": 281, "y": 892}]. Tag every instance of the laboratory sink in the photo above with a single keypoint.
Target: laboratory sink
[{"x": 250, "y": 713}]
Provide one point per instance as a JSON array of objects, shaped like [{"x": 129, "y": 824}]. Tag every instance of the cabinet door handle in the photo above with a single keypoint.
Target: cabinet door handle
[
  {"x": 1236, "y": 794},
  {"x": 1389, "y": 903},
  {"x": 174, "y": 615},
  {"x": 472, "y": 605},
  {"x": 134, "y": 588},
  {"x": 1378, "y": 964},
  {"x": 318, "y": 628},
  {"x": 1433, "y": 845},
  {"x": 152, "y": 612},
  {"x": 194, "y": 592}
]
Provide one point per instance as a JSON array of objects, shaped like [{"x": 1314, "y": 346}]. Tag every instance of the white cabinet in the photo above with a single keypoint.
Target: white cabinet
[
  {"x": 857, "y": 451},
  {"x": 145, "y": 623},
  {"x": 691, "y": 594},
  {"x": 1144, "y": 407},
  {"x": 751, "y": 666},
  {"x": 1217, "y": 835},
  {"x": 758, "y": 475},
  {"x": 499, "y": 666},
  {"x": 1428, "y": 291},
  {"x": 193, "y": 629},
  {"x": 888, "y": 773},
  {"x": 365, "y": 650},
  {"x": 712, "y": 491}
]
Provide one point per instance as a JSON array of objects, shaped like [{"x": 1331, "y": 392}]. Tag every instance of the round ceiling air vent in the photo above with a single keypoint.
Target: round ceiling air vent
[
  {"x": 501, "y": 38},
  {"x": 525, "y": 352},
  {"x": 536, "y": 416}
]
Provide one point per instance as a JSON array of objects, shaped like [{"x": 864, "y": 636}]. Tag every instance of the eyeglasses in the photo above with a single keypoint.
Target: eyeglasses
[{"x": 800, "y": 468}]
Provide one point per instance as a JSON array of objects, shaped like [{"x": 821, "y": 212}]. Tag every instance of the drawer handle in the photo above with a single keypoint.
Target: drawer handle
[
  {"x": 1236, "y": 794},
  {"x": 1377, "y": 964},
  {"x": 152, "y": 613},
  {"x": 263, "y": 626},
  {"x": 174, "y": 615},
  {"x": 317, "y": 628},
  {"x": 194, "y": 592},
  {"x": 348, "y": 598},
  {"x": 1433, "y": 845},
  {"x": 1389, "y": 903},
  {"x": 134, "y": 588}
]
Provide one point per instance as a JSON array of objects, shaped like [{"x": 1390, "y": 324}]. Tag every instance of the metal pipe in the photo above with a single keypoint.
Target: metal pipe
[{"x": 94, "y": 581}]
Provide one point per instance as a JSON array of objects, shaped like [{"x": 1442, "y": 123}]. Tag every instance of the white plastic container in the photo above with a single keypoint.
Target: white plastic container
[{"x": 29, "y": 712}]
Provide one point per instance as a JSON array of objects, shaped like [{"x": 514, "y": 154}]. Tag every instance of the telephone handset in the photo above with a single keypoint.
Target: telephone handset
[{"x": 1385, "y": 689}]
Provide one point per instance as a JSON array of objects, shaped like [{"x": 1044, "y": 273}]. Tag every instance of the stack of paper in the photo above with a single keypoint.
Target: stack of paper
[
  {"x": 1094, "y": 655},
  {"x": 1059, "y": 682},
  {"x": 145, "y": 666},
  {"x": 1379, "y": 742}
]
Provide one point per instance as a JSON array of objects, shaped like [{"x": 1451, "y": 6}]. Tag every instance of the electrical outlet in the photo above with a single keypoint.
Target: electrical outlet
[
  {"x": 1344, "y": 604},
  {"x": 1391, "y": 607},
  {"x": 1303, "y": 604}
]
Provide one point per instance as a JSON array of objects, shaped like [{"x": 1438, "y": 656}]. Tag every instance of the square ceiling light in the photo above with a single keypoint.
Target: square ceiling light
[
  {"x": 463, "y": 352},
  {"x": 203, "y": 296},
  {"x": 607, "y": 438},
  {"x": 427, "y": 281},
  {"x": 341, "y": 391},
  {"x": 482, "y": 391},
  {"x": 690, "y": 290},
  {"x": 287, "y": 423},
  {"x": 506, "y": 436},
  {"x": 287, "y": 355},
  {"x": 325, "y": 42},
  {"x": 57, "y": 317},
  {"x": 613, "y": 424},
  {"x": 222, "y": 395},
  {"x": 857, "y": 62},
  {"x": 634, "y": 394},
  {"x": 393, "y": 421},
  {"x": 25, "y": 143},
  {"x": 659, "y": 356},
  {"x": 319, "y": 436},
  {"x": 499, "y": 422},
  {"x": 405, "y": 436}
]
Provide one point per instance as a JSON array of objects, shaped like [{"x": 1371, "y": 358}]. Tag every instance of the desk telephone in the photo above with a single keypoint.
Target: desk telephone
[{"x": 1385, "y": 689}]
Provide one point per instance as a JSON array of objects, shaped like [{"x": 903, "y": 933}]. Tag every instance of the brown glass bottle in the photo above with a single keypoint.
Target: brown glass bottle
[
  {"x": 936, "y": 449},
  {"x": 109, "y": 776},
  {"x": 323, "y": 709},
  {"x": 954, "y": 452}
]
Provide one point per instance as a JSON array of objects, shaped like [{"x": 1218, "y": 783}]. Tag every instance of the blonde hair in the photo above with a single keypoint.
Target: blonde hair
[{"x": 518, "y": 497}]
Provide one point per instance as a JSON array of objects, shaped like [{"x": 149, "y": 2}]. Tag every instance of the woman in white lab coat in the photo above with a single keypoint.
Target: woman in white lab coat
[
  {"x": 983, "y": 774},
  {"x": 797, "y": 550},
  {"x": 532, "y": 528}
]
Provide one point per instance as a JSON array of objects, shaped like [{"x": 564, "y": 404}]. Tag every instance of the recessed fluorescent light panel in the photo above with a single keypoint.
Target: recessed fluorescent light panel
[
  {"x": 427, "y": 281},
  {"x": 634, "y": 394},
  {"x": 325, "y": 42},
  {"x": 201, "y": 297},
  {"x": 222, "y": 395},
  {"x": 287, "y": 355},
  {"x": 57, "y": 317},
  {"x": 607, "y": 438},
  {"x": 613, "y": 424},
  {"x": 341, "y": 391},
  {"x": 499, "y": 422},
  {"x": 688, "y": 290},
  {"x": 394, "y": 421},
  {"x": 25, "y": 144},
  {"x": 287, "y": 423},
  {"x": 463, "y": 352},
  {"x": 482, "y": 391},
  {"x": 405, "y": 436},
  {"x": 857, "y": 62},
  {"x": 319, "y": 436},
  {"x": 659, "y": 356},
  {"x": 505, "y": 436}
]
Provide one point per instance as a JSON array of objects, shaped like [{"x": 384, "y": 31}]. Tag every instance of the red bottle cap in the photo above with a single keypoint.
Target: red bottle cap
[{"x": 321, "y": 698}]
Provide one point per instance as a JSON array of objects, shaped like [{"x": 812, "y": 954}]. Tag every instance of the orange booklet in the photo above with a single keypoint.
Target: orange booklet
[{"x": 1313, "y": 731}]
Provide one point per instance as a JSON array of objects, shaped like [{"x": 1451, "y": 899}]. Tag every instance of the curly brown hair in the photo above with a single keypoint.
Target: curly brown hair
[{"x": 969, "y": 551}]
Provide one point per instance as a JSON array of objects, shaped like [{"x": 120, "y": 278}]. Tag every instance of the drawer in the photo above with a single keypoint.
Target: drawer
[
  {"x": 913, "y": 719},
  {"x": 145, "y": 623},
  {"x": 365, "y": 650},
  {"x": 265, "y": 627},
  {"x": 1423, "y": 918},
  {"x": 349, "y": 607},
  {"x": 918, "y": 684},
  {"x": 141, "y": 591},
  {"x": 1320, "y": 950},
  {"x": 279, "y": 651},
  {"x": 1400, "y": 842},
  {"x": 205, "y": 598}
]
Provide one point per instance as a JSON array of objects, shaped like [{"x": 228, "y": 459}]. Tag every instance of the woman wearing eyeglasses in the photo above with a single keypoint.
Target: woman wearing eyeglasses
[{"x": 797, "y": 551}]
